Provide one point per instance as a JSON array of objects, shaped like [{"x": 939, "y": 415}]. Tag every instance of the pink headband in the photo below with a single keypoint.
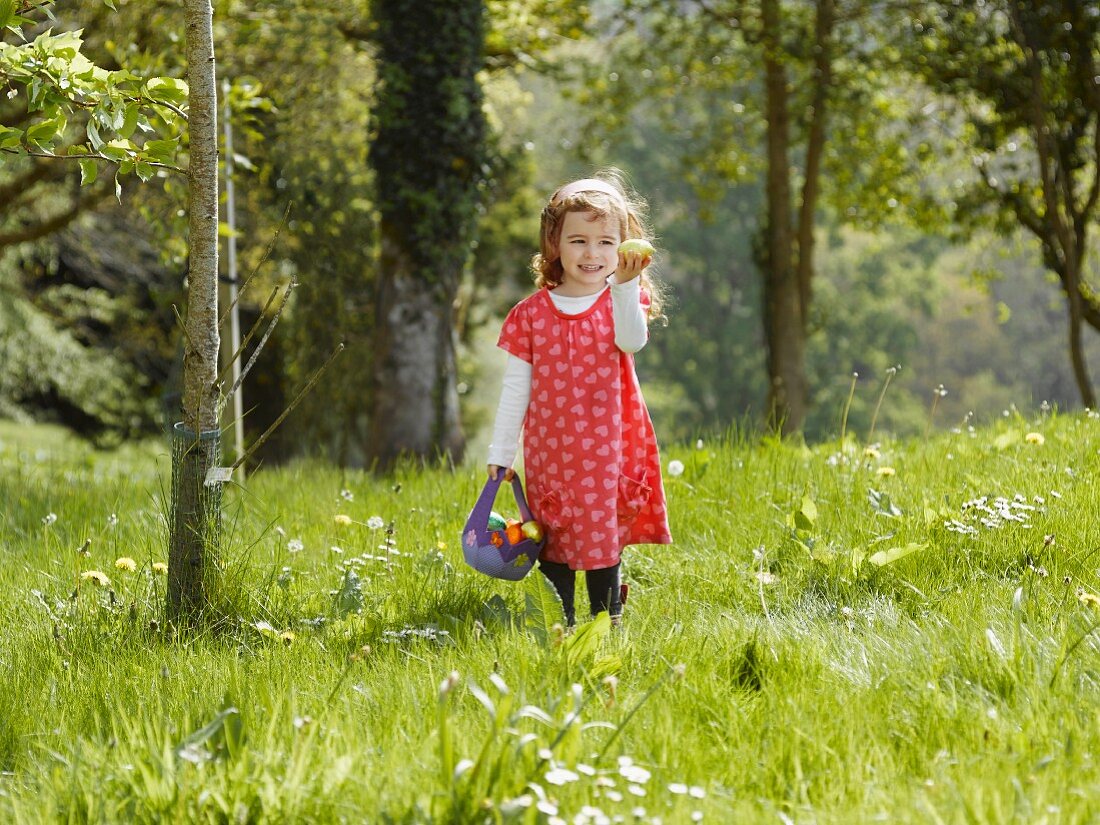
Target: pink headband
[{"x": 585, "y": 185}]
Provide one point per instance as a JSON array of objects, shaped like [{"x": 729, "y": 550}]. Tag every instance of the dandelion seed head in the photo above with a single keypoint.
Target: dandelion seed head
[
  {"x": 375, "y": 523},
  {"x": 675, "y": 468}
]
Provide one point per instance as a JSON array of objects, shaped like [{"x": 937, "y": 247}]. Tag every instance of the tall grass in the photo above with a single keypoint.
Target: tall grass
[{"x": 903, "y": 631}]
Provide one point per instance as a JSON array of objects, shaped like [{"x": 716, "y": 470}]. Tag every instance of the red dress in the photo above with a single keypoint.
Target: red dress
[{"x": 591, "y": 462}]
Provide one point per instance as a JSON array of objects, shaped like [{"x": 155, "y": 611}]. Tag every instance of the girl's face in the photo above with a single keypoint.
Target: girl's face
[{"x": 589, "y": 251}]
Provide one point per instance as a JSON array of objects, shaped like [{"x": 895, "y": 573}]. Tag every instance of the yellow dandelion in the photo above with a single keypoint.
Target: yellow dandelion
[
  {"x": 287, "y": 636},
  {"x": 441, "y": 545},
  {"x": 1090, "y": 599},
  {"x": 160, "y": 567},
  {"x": 1034, "y": 438},
  {"x": 871, "y": 452},
  {"x": 125, "y": 563},
  {"x": 885, "y": 472},
  {"x": 342, "y": 519},
  {"x": 95, "y": 577}
]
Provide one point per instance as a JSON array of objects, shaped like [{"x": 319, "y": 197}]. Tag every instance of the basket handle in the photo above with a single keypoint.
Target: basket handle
[{"x": 479, "y": 516}]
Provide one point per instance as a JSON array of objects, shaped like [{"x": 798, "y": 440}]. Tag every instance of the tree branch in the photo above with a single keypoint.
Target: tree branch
[{"x": 90, "y": 156}]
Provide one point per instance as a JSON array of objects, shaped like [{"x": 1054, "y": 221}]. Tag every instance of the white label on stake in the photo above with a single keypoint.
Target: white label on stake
[{"x": 218, "y": 475}]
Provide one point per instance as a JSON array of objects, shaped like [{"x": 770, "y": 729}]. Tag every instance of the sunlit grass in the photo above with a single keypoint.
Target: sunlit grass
[{"x": 898, "y": 630}]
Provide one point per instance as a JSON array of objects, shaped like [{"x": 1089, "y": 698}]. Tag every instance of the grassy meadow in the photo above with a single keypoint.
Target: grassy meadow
[{"x": 894, "y": 631}]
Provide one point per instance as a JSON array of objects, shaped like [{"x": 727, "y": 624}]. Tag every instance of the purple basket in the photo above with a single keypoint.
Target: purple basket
[{"x": 508, "y": 561}]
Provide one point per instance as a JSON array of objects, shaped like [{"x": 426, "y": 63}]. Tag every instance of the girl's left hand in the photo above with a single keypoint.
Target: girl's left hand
[{"x": 630, "y": 266}]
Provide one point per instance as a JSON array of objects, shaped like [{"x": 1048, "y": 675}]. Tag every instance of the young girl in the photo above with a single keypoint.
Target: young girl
[{"x": 590, "y": 454}]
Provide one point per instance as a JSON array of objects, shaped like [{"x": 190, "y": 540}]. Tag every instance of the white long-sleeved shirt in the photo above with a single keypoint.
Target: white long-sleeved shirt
[{"x": 631, "y": 334}]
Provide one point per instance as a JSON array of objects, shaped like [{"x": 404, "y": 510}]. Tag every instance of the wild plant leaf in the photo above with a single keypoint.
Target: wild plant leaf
[
  {"x": 585, "y": 641},
  {"x": 806, "y": 516},
  {"x": 542, "y": 607},
  {"x": 349, "y": 599},
  {"x": 881, "y": 504},
  {"x": 884, "y": 557},
  {"x": 222, "y": 733}
]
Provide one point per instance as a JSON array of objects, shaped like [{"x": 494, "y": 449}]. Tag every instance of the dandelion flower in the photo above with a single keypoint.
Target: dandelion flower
[
  {"x": 675, "y": 468},
  {"x": 375, "y": 523},
  {"x": 441, "y": 545},
  {"x": 95, "y": 577},
  {"x": 287, "y": 637},
  {"x": 160, "y": 567},
  {"x": 871, "y": 452},
  {"x": 125, "y": 563},
  {"x": 885, "y": 472},
  {"x": 342, "y": 519},
  {"x": 1034, "y": 438}
]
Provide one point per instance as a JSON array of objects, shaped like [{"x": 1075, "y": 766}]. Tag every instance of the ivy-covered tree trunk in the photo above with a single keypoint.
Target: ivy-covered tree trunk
[
  {"x": 428, "y": 155},
  {"x": 195, "y": 507}
]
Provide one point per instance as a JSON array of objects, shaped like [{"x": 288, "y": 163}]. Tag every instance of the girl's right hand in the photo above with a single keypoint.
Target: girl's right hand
[{"x": 494, "y": 471}]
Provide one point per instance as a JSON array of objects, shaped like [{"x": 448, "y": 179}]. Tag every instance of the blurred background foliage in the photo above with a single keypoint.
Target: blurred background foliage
[{"x": 667, "y": 92}]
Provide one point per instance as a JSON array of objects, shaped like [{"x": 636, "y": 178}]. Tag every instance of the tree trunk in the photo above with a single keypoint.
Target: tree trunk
[
  {"x": 415, "y": 386},
  {"x": 196, "y": 512},
  {"x": 783, "y": 319},
  {"x": 1063, "y": 228},
  {"x": 815, "y": 147},
  {"x": 428, "y": 155}
]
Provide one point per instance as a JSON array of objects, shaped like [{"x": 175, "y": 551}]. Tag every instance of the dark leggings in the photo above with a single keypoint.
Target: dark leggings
[{"x": 603, "y": 588}]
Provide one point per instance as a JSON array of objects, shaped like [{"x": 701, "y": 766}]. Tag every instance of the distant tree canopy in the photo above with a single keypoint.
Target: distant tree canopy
[
  {"x": 673, "y": 93},
  {"x": 1023, "y": 79}
]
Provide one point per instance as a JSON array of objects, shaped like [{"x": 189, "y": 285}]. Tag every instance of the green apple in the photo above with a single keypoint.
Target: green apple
[
  {"x": 638, "y": 245},
  {"x": 533, "y": 530}
]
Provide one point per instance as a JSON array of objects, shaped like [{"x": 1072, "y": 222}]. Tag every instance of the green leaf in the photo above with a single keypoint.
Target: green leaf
[
  {"x": 89, "y": 170},
  {"x": 884, "y": 557},
  {"x": 222, "y": 733},
  {"x": 93, "y": 135},
  {"x": 881, "y": 504},
  {"x": 585, "y": 641},
  {"x": 144, "y": 170},
  {"x": 7, "y": 11},
  {"x": 806, "y": 515},
  {"x": 349, "y": 599},
  {"x": 167, "y": 89},
  {"x": 42, "y": 134},
  {"x": 10, "y": 138},
  {"x": 542, "y": 607},
  {"x": 161, "y": 151},
  {"x": 129, "y": 121}
]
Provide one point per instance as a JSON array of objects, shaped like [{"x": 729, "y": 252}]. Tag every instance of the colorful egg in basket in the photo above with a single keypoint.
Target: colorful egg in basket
[{"x": 503, "y": 554}]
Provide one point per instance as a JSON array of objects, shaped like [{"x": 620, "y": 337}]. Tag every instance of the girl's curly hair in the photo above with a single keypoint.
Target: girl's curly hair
[{"x": 623, "y": 205}]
